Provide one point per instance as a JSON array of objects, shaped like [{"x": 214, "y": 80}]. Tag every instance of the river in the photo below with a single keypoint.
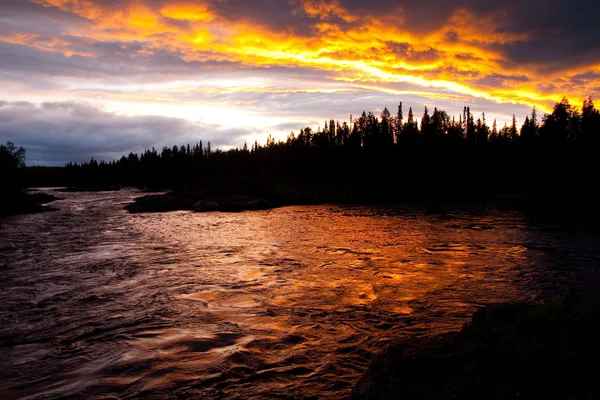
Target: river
[{"x": 287, "y": 303}]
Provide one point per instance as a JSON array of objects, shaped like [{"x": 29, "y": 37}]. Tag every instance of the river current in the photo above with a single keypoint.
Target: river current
[{"x": 287, "y": 303}]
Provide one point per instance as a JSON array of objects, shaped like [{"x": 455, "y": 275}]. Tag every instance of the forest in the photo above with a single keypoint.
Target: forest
[{"x": 389, "y": 152}]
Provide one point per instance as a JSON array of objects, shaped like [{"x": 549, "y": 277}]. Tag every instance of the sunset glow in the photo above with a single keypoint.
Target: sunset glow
[{"x": 281, "y": 65}]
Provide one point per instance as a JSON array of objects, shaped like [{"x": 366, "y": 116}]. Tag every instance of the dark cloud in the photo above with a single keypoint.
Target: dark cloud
[
  {"x": 407, "y": 52},
  {"x": 281, "y": 16},
  {"x": 553, "y": 54},
  {"x": 22, "y": 60},
  {"x": 587, "y": 77},
  {"x": 57, "y": 132},
  {"x": 559, "y": 34},
  {"x": 35, "y": 19}
]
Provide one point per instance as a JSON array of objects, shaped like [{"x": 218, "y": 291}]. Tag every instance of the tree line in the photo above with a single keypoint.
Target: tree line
[{"x": 384, "y": 149}]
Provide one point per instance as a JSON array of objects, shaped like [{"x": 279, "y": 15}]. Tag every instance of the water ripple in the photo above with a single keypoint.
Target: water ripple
[{"x": 292, "y": 302}]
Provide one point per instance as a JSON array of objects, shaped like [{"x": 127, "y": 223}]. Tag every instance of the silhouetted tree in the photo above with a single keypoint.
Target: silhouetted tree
[
  {"x": 410, "y": 132},
  {"x": 513, "y": 133},
  {"x": 483, "y": 131},
  {"x": 398, "y": 123},
  {"x": 12, "y": 159},
  {"x": 529, "y": 130},
  {"x": 377, "y": 150},
  {"x": 590, "y": 123},
  {"x": 555, "y": 128},
  {"x": 494, "y": 134}
]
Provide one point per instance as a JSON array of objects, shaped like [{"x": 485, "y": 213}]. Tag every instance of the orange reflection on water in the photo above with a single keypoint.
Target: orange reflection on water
[
  {"x": 253, "y": 304},
  {"x": 312, "y": 287}
]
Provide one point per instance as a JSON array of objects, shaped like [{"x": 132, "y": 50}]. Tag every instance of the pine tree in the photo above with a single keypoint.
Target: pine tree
[
  {"x": 514, "y": 136},
  {"x": 399, "y": 121},
  {"x": 494, "y": 134}
]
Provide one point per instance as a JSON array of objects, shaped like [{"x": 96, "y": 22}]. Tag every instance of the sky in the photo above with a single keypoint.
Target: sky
[{"x": 102, "y": 78}]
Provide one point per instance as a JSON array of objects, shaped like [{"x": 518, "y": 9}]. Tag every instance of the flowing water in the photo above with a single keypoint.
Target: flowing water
[{"x": 287, "y": 303}]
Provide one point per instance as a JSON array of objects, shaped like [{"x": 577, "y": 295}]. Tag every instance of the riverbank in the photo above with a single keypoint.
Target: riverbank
[
  {"x": 233, "y": 200},
  {"x": 543, "y": 351},
  {"x": 76, "y": 189},
  {"x": 569, "y": 204},
  {"x": 242, "y": 198},
  {"x": 26, "y": 203}
]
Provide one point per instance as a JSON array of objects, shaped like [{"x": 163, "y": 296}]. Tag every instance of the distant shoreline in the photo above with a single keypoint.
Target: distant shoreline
[
  {"x": 569, "y": 204},
  {"x": 243, "y": 198}
]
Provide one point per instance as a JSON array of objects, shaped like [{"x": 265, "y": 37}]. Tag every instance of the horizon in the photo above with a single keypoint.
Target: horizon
[
  {"x": 103, "y": 79},
  {"x": 417, "y": 121}
]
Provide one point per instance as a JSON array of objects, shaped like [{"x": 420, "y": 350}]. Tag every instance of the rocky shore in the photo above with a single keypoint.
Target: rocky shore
[
  {"x": 26, "y": 203},
  {"x": 75, "y": 189},
  {"x": 266, "y": 197},
  {"x": 542, "y": 351},
  {"x": 234, "y": 200}
]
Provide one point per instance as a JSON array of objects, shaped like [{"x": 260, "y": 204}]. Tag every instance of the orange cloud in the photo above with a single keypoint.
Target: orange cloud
[
  {"x": 326, "y": 9},
  {"x": 188, "y": 12},
  {"x": 462, "y": 57}
]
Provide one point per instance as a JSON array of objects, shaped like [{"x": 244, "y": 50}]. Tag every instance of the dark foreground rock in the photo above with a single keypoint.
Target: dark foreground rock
[
  {"x": 42, "y": 198},
  {"x": 546, "y": 351},
  {"x": 26, "y": 203}
]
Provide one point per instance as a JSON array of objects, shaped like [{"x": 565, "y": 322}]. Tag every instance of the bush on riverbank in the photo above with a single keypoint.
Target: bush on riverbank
[
  {"x": 14, "y": 199},
  {"x": 546, "y": 351}
]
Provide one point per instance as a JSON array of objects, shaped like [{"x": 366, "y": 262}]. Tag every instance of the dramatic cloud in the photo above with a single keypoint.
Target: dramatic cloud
[
  {"x": 259, "y": 66},
  {"x": 55, "y": 132}
]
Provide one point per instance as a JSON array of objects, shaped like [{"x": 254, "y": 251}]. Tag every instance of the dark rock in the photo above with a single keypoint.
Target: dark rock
[
  {"x": 43, "y": 198},
  {"x": 162, "y": 203},
  {"x": 25, "y": 204},
  {"x": 234, "y": 200},
  {"x": 201, "y": 202},
  {"x": 206, "y": 205},
  {"x": 523, "y": 351},
  {"x": 107, "y": 188}
]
